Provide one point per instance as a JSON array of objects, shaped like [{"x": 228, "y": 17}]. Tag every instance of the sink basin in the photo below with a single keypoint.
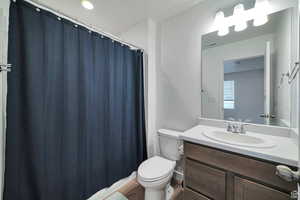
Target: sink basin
[{"x": 238, "y": 139}]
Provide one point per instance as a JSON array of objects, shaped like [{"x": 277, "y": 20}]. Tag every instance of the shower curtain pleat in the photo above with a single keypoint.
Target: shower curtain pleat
[{"x": 75, "y": 113}]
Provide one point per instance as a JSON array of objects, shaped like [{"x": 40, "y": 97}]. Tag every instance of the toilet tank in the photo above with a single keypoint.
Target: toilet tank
[{"x": 169, "y": 144}]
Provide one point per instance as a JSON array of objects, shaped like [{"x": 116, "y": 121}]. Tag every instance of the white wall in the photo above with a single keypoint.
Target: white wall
[
  {"x": 176, "y": 76},
  {"x": 4, "y": 12},
  {"x": 295, "y": 58},
  {"x": 137, "y": 34},
  {"x": 283, "y": 62},
  {"x": 145, "y": 35},
  {"x": 179, "y": 75}
]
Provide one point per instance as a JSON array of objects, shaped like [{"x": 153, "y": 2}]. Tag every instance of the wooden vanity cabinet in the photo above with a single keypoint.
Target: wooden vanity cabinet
[
  {"x": 248, "y": 190},
  {"x": 213, "y": 174},
  {"x": 191, "y": 195},
  {"x": 212, "y": 181}
]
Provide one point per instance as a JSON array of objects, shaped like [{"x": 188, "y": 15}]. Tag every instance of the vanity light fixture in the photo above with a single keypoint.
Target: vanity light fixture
[
  {"x": 239, "y": 18},
  {"x": 220, "y": 23},
  {"x": 87, "y": 4},
  {"x": 261, "y": 16}
]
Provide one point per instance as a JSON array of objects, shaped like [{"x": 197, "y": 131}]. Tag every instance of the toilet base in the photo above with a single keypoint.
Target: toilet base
[{"x": 151, "y": 194}]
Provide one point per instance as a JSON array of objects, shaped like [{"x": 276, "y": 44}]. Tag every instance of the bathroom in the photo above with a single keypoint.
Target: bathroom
[{"x": 148, "y": 99}]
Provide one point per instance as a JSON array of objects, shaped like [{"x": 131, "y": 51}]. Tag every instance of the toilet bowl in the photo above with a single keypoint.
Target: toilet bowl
[{"x": 156, "y": 173}]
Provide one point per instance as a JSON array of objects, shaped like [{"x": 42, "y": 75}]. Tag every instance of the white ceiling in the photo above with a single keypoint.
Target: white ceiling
[{"x": 115, "y": 16}]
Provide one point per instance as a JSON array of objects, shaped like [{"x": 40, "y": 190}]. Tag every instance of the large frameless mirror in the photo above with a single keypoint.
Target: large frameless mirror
[{"x": 244, "y": 74}]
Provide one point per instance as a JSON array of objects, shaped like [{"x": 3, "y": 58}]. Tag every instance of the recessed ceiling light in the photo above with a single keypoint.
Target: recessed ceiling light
[{"x": 87, "y": 4}]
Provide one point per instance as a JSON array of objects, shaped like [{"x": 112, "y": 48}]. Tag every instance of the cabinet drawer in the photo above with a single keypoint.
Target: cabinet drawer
[
  {"x": 248, "y": 190},
  {"x": 204, "y": 179},
  {"x": 238, "y": 164},
  {"x": 191, "y": 195}
]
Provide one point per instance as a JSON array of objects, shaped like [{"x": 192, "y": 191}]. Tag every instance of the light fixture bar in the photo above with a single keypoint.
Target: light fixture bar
[
  {"x": 239, "y": 18},
  {"x": 220, "y": 22},
  {"x": 259, "y": 15}
]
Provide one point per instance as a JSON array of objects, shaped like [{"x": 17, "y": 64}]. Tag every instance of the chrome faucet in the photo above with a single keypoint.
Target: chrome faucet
[
  {"x": 229, "y": 127},
  {"x": 236, "y": 127},
  {"x": 242, "y": 128}
]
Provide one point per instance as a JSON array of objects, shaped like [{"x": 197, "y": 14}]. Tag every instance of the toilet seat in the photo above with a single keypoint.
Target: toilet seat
[{"x": 155, "y": 169}]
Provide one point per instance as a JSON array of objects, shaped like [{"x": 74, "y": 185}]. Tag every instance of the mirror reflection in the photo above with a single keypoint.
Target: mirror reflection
[{"x": 250, "y": 70}]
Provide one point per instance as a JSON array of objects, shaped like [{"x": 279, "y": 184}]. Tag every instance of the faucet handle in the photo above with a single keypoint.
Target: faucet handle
[
  {"x": 231, "y": 119},
  {"x": 247, "y": 121},
  {"x": 242, "y": 128},
  {"x": 228, "y": 126},
  {"x": 235, "y": 128}
]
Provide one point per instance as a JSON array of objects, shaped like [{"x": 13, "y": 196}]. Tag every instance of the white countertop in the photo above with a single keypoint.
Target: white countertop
[{"x": 285, "y": 151}]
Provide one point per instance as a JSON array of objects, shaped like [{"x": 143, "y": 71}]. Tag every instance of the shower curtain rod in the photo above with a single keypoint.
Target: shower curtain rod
[{"x": 78, "y": 22}]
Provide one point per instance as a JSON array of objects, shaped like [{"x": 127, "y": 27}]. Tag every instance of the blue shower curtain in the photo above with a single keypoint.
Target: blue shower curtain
[{"x": 75, "y": 113}]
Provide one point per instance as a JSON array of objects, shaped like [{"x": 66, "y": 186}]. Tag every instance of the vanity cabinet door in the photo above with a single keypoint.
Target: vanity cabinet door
[
  {"x": 205, "y": 180},
  {"x": 191, "y": 195},
  {"x": 244, "y": 166},
  {"x": 248, "y": 190}
]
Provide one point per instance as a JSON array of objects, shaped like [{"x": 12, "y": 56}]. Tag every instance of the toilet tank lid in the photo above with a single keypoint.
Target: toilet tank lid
[{"x": 169, "y": 133}]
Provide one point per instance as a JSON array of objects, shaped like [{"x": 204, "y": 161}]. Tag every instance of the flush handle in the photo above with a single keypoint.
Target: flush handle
[{"x": 287, "y": 174}]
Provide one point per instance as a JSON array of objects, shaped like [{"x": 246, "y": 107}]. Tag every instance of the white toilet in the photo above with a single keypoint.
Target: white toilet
[{"x": 155, "y": 173}]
